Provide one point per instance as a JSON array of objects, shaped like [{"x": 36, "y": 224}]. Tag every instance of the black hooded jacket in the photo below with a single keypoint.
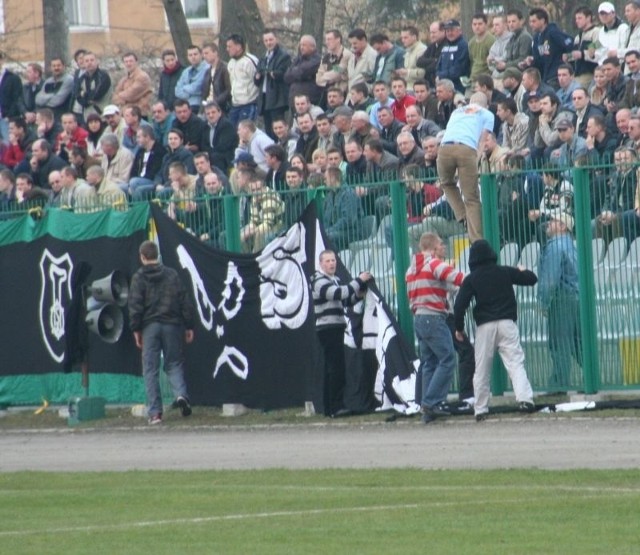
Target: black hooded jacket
[
  {"x": 492, "y": 287},
  {"x": 157, "y": 294}
]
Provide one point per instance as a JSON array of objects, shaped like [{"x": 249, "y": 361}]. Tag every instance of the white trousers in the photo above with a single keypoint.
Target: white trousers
[{"x": 501, "y": 335}]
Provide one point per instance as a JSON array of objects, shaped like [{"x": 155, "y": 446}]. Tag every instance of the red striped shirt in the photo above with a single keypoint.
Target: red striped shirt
[{"x": 427, "y": 279}]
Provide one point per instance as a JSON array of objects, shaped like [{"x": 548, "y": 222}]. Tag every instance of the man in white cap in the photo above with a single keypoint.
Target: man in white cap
[
  {"x": 611, "y": 32},
  {"x": 115, "y": 122},
  {"x": 558, "y": 297}
]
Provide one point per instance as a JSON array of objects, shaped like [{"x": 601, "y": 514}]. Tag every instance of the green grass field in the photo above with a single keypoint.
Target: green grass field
[{"x": 323, "y": 512}]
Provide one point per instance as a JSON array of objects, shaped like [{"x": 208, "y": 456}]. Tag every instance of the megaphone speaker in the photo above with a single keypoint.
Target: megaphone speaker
[
  {"x": 107, "y": 322},
  {"x": 111, "y": 289}
]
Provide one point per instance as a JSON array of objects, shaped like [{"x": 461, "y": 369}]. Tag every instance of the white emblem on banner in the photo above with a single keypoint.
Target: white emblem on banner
[
  {"x": 234, "y": 360},
  {"x": 284, "y": 295},
  {"x": 228, "y": 307},
  {"x": 205, "y": 307},
  {"x": 55, "y": 296}
]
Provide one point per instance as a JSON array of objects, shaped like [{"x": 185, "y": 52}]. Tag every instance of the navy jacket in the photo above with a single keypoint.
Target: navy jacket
[
  {"x": 273, "y": 70},
  {"x": 548, "y": 48},
  {"x": 454, "y": 62}
]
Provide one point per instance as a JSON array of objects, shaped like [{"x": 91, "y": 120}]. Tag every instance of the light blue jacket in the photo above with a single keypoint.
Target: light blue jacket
[{"x": 189, "y": 86}]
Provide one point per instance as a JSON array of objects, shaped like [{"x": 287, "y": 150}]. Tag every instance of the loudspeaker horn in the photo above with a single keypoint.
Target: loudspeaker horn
[
  {"x": 107, "y": 322},
  {"x": 111, "y": 289}
]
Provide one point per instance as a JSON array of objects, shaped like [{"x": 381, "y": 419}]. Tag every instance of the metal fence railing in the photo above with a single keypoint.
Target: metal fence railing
[{"x": 375, "y": 226}]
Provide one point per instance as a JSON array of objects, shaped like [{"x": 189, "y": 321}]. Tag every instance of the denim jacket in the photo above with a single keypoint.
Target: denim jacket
[{"x": 558, "y": 269}]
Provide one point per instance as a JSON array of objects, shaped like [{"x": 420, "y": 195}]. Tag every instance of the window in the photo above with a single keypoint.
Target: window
[
  {"x": 200, "y": 10},
  {"x": 92, "y": 14}
]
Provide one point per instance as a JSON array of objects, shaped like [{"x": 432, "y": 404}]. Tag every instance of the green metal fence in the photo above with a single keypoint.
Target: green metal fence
[{"x": 380, "y": 237}]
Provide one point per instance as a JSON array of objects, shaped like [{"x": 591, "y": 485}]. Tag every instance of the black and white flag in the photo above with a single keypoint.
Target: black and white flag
[
  {"x": 255, "y": 335},
  {"x": 381, "y": 364}
]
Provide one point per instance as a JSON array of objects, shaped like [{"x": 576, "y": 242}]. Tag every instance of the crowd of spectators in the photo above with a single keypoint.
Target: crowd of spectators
[{"x": 365, "y": 109}]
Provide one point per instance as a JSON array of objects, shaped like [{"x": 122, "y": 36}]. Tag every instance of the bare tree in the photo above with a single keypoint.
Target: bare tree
[
  {"x": 243, "y": 17},
  {"x": 55, "y": 31},
  {"x": 313, "y": 12},
  {"x": 180, "y": 33}
]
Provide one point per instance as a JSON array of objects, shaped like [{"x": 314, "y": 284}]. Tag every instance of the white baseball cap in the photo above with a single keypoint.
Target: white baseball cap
[{"x": 606, "y": 7}]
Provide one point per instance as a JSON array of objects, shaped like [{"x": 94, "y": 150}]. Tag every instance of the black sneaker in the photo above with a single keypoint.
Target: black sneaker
[
  {"x": 525, "y": 406},
  {"x": 427, "y": 418},
  {"x": 481, "y": 417},
  {"x": 441, "y": 409},
  {"x": 183, "y": 405}
]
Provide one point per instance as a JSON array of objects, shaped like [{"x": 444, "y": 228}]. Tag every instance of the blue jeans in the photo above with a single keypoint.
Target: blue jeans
[
  {"x": 141, "y": 188},
  {"x": 238, "y": 113},
  {"x": 437, "y": 357},
  {"x": 630, "y": 223},
  {"x": 167, "y": 339},
  {"x": 565, "y": 341}
]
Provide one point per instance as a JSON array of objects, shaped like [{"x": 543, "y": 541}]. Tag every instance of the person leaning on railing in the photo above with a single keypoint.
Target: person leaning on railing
[
  {"x": 557, "y": 195},
  {"x": 211, "y": 224},
  {"x": 266, "y": 209},
  {"x": 7, "y": 191},
  {"x": 342, "y": 211},
  {"x": 620, "y": 197},
  {"x": 182, "y": 206},
  {"x": 109, "y": 195}
]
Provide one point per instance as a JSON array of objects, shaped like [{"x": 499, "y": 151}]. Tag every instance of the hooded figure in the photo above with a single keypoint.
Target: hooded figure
[{"x": 495, "y": 314}]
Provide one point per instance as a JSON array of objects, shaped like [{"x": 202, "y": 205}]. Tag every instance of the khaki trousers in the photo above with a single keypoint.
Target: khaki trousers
[{"x": 464, "y": 160}]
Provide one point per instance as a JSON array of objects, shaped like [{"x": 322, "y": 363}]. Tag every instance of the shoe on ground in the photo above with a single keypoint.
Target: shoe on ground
[
  {"x": 441, "y": 409},
  {"x": 342, "y": 413},
  {"x": 526, "y": 406},
  {"x": 155, "y": 420},
  {"x": 427, "y": 418},
  {"x": 482, "y": 416},
  {"x": 183, "y": 405},
  {"x": 469, "y": 401}
]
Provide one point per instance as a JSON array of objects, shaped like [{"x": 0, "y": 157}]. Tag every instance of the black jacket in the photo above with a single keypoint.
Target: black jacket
[
  {"x": 167, "y": 88},
  {"x": 10, "y": 95},
  {"x": 306, "y": 145},
  {"x": 492, "y": 287},
  {"x": 41, "y": 175},
  {"x": 221, "y": 86},
  {"x": 191, "y": 129},
  {"x": 276, "y": 179},
  {"x": 429, "y": 61},
  {"x": 273, "y": 70},
  {"x": 93, "y": 88},
  {"x": 182, "y": 155},
  {"x": 29, "y": 93},
  {"x": 157, "y": 294},
  {"x": 301, "y": 78},
  {"x": 388, "y": 136},
  {"x": 225, "y": 141},
  {"x": 154, "y": 163}
]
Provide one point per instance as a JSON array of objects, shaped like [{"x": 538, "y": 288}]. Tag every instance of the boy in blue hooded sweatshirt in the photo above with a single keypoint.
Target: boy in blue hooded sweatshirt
[{"x": 495, "y": 314}]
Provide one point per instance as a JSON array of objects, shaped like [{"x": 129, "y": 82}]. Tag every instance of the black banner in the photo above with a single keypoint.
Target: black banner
[
  {"x": 35, "y": 295},
  {"x": 255, "y": 332}
]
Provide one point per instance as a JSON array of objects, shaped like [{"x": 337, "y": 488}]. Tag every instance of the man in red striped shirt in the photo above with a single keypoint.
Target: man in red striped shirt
[{"x": 428, "y": 280}]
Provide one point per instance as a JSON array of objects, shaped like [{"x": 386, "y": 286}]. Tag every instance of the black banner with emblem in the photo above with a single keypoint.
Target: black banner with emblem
[
  {"x": 255, "y": 329},
  {"x": 36, "y": 293}
]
